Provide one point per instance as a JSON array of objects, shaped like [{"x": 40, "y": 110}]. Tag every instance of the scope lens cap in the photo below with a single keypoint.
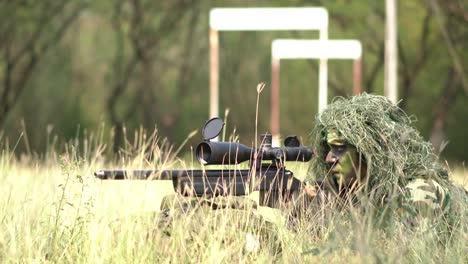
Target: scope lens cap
[
  {"x": 292, "y": 141},
  {"x": 212, "y": 128}
]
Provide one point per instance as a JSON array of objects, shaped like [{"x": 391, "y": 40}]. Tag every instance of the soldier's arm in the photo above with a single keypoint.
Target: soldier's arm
[{"x": 424, "y": 201}]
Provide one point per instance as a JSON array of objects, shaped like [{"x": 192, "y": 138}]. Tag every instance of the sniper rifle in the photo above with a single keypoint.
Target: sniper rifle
[{"x": 267, "y": 172}]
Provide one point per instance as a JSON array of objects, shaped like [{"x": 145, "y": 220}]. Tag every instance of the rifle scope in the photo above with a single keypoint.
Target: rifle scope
[{"x": 209, "y": 152}]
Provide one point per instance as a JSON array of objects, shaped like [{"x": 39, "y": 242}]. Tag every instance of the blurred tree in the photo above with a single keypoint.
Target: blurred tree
[
  {"x": 28, "y": 29},
  {"x": 452, "y": 16},
  {"x": 431, "y": 41},
  {"x": 141, "y": 27},
  {"x": 142, "y": 63}
]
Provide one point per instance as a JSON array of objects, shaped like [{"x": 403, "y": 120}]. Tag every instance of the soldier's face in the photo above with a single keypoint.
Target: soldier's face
[{"x": 347, "y": 167}]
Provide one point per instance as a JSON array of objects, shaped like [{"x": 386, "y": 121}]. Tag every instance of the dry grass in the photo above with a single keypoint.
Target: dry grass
[{"x": 54, "y": 210}]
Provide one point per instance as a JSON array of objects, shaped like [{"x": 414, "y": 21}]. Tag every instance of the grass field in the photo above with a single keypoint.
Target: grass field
[{"x": 54, "y": 211}]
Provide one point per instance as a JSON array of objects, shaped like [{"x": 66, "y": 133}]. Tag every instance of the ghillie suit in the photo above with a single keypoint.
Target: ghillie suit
[{"x": 401, "y": 166}]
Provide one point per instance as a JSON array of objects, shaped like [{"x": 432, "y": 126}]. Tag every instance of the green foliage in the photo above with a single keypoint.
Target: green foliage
[{"x": 159, "y": 53}]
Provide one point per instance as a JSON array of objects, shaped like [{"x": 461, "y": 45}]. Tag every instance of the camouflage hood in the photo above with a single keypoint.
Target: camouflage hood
[{"x": 395, "y": 151}]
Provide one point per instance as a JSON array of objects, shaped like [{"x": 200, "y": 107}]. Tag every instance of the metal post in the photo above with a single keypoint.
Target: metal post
[
  {"x": 214, "y": 73},
  {"x": 275, "y": 95},
  {"x": 357, "y": 73},
  {"x": 323, "y": 74},
  {"x": 391, "y": 54}
]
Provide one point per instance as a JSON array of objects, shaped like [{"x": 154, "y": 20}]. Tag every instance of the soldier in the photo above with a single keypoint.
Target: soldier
[{"x": 366, "y": 147}]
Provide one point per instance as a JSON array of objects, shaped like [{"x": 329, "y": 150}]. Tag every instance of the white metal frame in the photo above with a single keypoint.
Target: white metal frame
[
  {"x": 310, "y": 49},
  {"x": 260, "y": 19}
]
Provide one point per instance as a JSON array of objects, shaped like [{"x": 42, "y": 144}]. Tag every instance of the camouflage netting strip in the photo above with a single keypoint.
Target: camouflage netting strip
[{"x": 382, "y": 132}]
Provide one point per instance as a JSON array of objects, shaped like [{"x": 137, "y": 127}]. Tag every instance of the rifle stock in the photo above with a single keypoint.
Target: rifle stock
[{"x": 274, "y": 185}]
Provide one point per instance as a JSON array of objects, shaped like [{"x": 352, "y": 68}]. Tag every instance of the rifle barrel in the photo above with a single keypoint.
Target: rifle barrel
[{"x": 137, "y": 174}]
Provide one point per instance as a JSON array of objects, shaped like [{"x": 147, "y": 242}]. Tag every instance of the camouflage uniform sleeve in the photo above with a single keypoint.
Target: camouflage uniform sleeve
[{"x": 424, "y": 201}]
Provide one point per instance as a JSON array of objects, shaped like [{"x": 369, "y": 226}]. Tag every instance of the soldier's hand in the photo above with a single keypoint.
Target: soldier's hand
[{"x": 311, "y": 190}]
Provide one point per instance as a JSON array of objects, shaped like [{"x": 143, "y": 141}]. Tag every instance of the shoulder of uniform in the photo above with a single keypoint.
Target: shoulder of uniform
[{"x": 427, "y": 193}]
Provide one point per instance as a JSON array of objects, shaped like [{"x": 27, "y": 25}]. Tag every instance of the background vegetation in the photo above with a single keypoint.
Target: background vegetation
[
  {"x": 68, "y": 68},
  {"x": 83, "y": 84}
]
